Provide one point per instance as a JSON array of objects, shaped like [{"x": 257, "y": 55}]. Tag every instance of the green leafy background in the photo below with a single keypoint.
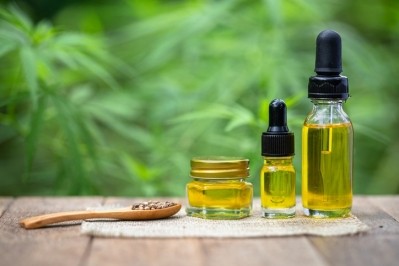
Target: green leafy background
[{"x": 115, "y": 97}]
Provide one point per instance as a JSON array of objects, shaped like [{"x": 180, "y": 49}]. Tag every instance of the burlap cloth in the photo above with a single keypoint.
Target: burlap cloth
[{"x": 181, "y": 225}]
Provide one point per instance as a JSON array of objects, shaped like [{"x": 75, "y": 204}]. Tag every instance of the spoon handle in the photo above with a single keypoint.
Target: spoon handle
[{"x": 42, "y": 220}]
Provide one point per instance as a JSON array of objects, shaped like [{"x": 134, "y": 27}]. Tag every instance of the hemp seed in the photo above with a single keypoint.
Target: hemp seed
[{"x": 152, "y": 205}]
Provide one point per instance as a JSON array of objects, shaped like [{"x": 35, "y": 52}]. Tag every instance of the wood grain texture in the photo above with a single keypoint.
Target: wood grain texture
[
  {"x": 146, "y": 252},
  {"x": 375, "y": 217},
  {"x": 4, "y": 203},
  {"x": 31, "y": 206},
  {"x": 63, "y": 245},
  {"x": 60, "y": 252},
  {"x": 378, "y": 247},
  {"x": 198, "y": 252},
  {"x": 359, "y": 250},
  {"x": 389, "y": 204},
  {"x": 260, "y": 251},
  {"x": 60, "y": 245}
]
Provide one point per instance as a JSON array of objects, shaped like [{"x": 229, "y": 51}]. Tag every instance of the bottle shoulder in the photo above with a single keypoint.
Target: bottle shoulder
[
  {"x": 275, "y": 165},
  {"x": 320, "y": 115}
]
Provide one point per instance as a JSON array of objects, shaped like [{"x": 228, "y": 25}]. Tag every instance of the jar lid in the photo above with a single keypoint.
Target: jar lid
[{"x": 219, "y": 167}]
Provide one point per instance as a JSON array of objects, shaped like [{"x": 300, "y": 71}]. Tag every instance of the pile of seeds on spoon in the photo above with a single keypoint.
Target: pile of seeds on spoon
[{"x": 152, "y": 205}]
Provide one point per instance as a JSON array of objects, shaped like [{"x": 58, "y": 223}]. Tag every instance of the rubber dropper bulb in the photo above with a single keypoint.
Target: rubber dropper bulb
[
  {"x": 328, "y": 53},
  {"x": 277, "y": 117}
]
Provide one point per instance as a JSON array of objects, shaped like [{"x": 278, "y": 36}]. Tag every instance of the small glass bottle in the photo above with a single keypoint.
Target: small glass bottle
[
  {"x": 277, "y": 178},
  {"x": 218, "y": 189},
  {"x": 327, "y": 136}
]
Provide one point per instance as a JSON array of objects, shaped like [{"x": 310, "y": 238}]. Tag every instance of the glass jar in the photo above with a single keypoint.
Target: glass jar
[
  {"x": 218, "y": 189},
  {"x": 278, "y": 187}
]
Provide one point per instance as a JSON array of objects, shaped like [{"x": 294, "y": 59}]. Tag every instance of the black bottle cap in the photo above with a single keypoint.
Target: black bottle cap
[
  {"x": 278, "y": 141},
  {"x": 328, "y": 83}
]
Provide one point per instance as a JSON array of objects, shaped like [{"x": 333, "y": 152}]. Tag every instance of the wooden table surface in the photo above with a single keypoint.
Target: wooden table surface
[{"x": 63, "y": 245}]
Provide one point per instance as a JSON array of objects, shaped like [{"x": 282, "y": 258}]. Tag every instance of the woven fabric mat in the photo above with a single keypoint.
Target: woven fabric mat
[{"x": 181, "y": 225}]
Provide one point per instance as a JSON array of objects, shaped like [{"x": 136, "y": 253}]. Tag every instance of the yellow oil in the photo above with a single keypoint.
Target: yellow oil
[
  {"x": 327, "y": 169},
  {"x": 224, "y": 199},
  {"x": 278, "y": 189}
]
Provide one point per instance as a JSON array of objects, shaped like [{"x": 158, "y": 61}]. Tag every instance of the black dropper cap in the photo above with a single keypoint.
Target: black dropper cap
[
  {"x": 278, "y": 141},
  {"x": 328, "y": 83}
]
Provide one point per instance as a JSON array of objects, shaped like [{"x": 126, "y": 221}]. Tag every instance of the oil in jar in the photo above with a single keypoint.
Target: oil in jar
[
  {"x": 218, "y": 189},
  {"x": 219, "y": 194},
  {"x": 278, "y": 188}
]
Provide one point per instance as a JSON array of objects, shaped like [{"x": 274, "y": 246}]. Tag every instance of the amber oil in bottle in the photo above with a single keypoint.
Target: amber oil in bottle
[
  {"x": 277, "y": 177},
  {"x": 327, "y": 136},
  {"x": 218, "y": 189}
]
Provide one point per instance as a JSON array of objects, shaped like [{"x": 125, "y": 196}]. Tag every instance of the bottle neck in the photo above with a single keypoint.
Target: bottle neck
[
  {"x": 327, "y": 111},
  {"x": 328, "y": 106},
  {"x": 329, "y": 102},
  {"x": 278, "y": 160}
]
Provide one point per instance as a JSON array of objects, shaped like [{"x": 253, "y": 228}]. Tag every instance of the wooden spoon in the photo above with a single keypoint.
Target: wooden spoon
[{"x": 122, "y": 214}]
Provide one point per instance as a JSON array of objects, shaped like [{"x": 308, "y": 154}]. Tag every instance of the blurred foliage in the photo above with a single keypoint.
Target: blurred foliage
[{"x": 115, "y": 98}]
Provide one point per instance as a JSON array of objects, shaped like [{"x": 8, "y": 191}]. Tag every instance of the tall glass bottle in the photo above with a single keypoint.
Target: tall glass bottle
[{"x": 327, "y": 136}]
